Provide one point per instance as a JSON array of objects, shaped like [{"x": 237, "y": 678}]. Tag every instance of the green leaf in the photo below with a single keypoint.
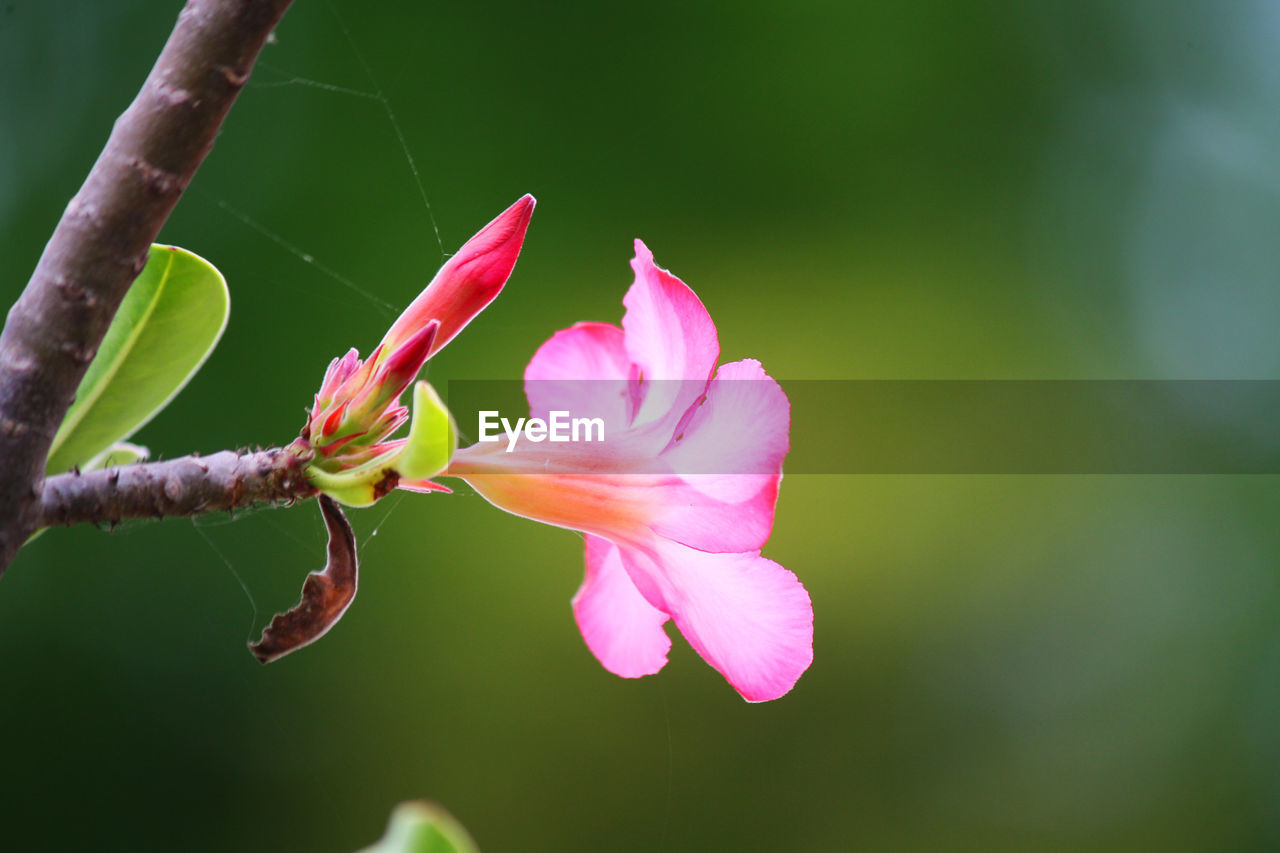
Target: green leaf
[
  {"x": 423, "y": 828},
  {"x": 120, "y": 453},
  {"x": 166, "y": 327}
]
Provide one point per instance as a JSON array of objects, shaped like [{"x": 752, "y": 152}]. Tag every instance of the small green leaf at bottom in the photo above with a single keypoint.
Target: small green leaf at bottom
[{"x": 420, "y": 827}]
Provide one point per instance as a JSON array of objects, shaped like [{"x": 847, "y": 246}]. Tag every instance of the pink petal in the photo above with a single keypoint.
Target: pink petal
[
  {"x": 336, "y": 445},
  {"x": 334, "y": 420},
  {"x": 582, "y": 351},
  {"x": 423, "y": 486},
  {"x": 729, "y": 454},
  {"x": 746, "y": 615},
  {"x": 580, "y": 494},
  {"x": 609, "y": 505},
  {"x": 583, "y": 370},
  {"x": 394, "y": 372},
  {"x": 687, "y": 514},
  {"x": 469, "y": 280},
  {"x": 669, "y": 334},
  {"x": 714, "y": 489},
  {"x": 339, "y": 370},
  {"x": 622, "y": 630},
  {"x": 741, "y": 427},
  {"x": 404, "y": 362},
  {"x": 618, "y": 488}
]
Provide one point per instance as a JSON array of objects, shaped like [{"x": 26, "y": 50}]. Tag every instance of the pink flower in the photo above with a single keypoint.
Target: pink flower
[
  {"x": 357, "y": 409},
  {"x": 678, "y": 500}
]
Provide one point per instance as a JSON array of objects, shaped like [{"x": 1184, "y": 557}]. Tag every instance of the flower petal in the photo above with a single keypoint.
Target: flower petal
[
  {"x": 687, "y": 512},
  {"x": 468, "y": 281},
  {"x": 741, "y": 427},
  {"x": 622, "y": 630},
  {"x": 746, "y": 615},
  {"x": 608, "y": 505},
  {"x": 403, "y": 363},
  {"x": 423, "y": 487},
  {"x": 729, "y": 454},
  {"x": 619, "y": 489},
  {"x": 669, "y": 334},
  {"x": 583, "y": 370}
]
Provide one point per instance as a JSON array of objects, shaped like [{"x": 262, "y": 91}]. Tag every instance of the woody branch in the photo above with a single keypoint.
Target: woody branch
[{"x": 100, "y": 244}]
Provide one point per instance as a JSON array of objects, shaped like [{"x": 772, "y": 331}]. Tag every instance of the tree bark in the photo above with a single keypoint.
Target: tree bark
[
  {"x": 100, "y": 244},
  {"x": 177, "y": 487}
]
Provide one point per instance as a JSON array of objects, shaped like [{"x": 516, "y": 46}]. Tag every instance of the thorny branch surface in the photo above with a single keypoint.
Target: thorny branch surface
[
  {"x": 100, "y": 244},
  {"x": 177, "y": 487}
]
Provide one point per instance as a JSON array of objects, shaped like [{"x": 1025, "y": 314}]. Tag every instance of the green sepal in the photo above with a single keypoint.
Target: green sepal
[
  {"x": 433, "y": 436},
  {"x": 356, "y": 487}
]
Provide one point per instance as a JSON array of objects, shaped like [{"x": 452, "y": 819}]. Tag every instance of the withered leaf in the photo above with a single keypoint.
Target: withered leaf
[{"x": 326, "y": 594}]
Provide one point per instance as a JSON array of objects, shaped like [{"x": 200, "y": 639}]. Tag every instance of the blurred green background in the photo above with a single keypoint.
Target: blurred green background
[{"x": 933, "y": 190}]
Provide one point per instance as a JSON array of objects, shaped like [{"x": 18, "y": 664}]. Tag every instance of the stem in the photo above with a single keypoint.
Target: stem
[
  {"x": 100, "y": 245},
  {"x": 177, "y": 487}
]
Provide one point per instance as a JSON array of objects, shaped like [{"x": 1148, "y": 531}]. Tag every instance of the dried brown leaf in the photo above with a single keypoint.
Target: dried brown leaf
[{"x": 326, "y": 594}]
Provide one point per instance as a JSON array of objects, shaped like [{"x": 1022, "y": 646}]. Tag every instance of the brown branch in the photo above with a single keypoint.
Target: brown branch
[
  {"x": 100, "y": 245},
  {"x": 177, "y": 487}
]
